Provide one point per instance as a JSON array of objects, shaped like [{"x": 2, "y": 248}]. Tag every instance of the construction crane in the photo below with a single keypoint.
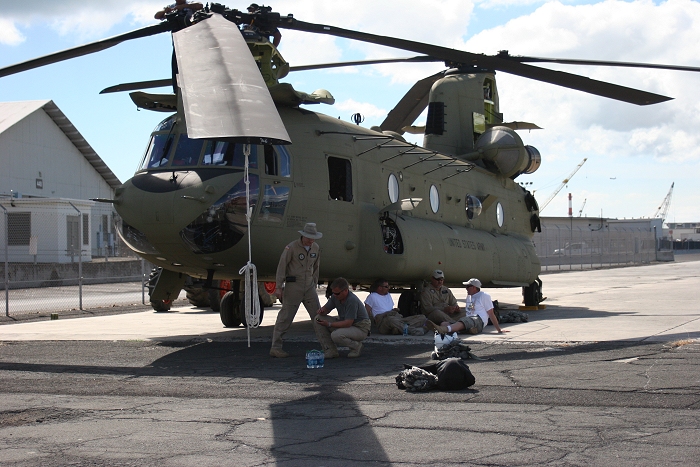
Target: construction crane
[
  {"x": 563, "y": 184},
  {"x": 582, "y": 206},
  {"x": 663, "y": 209}
]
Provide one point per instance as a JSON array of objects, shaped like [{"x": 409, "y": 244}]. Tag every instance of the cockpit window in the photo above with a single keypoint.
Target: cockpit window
[
  {"x": 166, "y": 124},
  {"x": 187, "y": 151},
  {"x": 277, "y": 161},
  {"x": 157, "y": 154},
  {"x": 222, "y": 153},
  {"x": 283, "y": 161}
]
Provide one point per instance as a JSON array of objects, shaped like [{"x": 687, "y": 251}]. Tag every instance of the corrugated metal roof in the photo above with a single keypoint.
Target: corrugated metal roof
[{"x": 13, "y": 112}]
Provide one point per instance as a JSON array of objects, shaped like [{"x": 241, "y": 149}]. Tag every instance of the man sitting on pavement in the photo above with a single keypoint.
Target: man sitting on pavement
[
  {"x": 352, "y": 325},
  {"x": 438, "y": 303},
  {"x": 479, "y": 311},
  {"x": 380, "y": 307}
]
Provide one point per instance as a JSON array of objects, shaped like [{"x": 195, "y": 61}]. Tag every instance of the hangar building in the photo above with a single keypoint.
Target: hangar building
[{"x": 48, "y": 174}]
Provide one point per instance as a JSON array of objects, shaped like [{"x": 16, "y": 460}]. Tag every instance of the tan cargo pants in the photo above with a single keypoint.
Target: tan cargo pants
[
  {"x": 392, "y": 322},
  {"x": 439, "y": 316},
  {"x": 292, "y": 296}
]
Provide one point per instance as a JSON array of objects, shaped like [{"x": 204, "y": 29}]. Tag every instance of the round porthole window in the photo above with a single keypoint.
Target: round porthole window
[
  {"x": 434, "y": 199},
  {"x": 472, "y": 206},
  {"x": 393, "y": 188},
  {"x": 499, "y": 214}
]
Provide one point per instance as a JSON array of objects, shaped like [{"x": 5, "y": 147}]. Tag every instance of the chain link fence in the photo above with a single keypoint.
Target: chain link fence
[
  {"x": 562, "y": 246},
  {"x": 49, "y": 264}
]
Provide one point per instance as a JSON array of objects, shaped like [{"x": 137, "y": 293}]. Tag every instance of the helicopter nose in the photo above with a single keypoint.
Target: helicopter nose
[{"x": 169, "y": 208}]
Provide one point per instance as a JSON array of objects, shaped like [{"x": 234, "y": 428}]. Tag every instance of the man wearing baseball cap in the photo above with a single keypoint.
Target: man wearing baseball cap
[
  {"x": 437, "y": 302},
  {"x": 478, "y": 312},
  {"x": 297, "y": 277}
]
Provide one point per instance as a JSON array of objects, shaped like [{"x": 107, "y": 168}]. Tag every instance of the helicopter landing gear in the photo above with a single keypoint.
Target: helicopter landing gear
[
  {"x": 157, "y": 305},
  {"x": 532, "y": 294},
  {"x": 232, "y": 309},
  {"x": 229, "y": 309},
  {"x": 242, "y": 311},
  {"x": 161, "y": 305}
]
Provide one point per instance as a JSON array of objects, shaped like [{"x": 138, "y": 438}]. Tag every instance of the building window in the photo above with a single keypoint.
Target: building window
[
  {"x": 86, "y": 229},
  {"x": 19, "y": 228}
]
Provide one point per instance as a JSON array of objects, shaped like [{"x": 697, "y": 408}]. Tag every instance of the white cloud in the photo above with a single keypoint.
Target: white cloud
[
  {"x": 9, "y": 34},
  {"x": 365, "y": 108},
  {"x": 84, "y": 20},
  {"x": 651, "y": 144}
]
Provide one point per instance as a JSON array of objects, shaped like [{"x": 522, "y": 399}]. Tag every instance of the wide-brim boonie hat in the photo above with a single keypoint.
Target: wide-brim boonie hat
[{"x": 310, "y": 231}]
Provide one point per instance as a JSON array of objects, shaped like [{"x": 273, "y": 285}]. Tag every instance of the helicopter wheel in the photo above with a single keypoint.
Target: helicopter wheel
[
  {"x": 161, "y": 305},
  {"x": 214, "y": 299},
  {"x": 229, "y": 310},
  {"x": 242, "y": 311},
  {"x": 532, "y": 294},
  {"x": 197, "y": 297}
]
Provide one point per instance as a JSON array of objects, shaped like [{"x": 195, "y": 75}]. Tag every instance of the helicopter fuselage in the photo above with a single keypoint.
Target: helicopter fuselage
[{"x": 386, "y": 208}]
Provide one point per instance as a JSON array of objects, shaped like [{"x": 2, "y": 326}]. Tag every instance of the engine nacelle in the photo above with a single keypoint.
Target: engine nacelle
[{"x": 503, "y": 151}]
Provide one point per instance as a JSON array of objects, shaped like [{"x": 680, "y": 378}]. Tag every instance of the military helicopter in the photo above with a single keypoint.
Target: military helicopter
[{"x": 238, "y": 166}]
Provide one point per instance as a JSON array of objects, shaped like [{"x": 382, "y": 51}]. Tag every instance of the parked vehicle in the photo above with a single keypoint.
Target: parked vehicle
[{"x": 577, "y": 249}]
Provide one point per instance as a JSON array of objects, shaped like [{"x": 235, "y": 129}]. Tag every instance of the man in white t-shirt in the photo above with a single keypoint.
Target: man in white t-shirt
[
  {"x": 380, "y": 307},
  {"x": 479, "y": 310}
]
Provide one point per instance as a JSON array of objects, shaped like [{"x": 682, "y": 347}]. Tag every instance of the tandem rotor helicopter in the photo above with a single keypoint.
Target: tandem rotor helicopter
[{"x": 387, "y": 207}]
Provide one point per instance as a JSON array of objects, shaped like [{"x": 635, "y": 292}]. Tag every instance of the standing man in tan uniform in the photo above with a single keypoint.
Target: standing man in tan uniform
[{"x": 297, "y": 277}]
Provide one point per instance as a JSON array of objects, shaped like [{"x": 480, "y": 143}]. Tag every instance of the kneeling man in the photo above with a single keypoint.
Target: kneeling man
[{"x": 352, "y": 325}]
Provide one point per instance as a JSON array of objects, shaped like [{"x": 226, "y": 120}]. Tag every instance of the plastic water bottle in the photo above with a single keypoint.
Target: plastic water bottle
[
  {"x": 405, "y": 329},
  {"x": 315, "y": 359}
]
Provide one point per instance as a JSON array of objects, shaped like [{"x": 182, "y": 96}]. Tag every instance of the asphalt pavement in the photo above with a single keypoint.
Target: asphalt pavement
[{"x": 608, "y": 373}]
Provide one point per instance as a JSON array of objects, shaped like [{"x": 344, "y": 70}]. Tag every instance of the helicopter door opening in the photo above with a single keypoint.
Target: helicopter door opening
[
  {"x": 340, "y": 179},
  {"x": 391, "y": 235}
]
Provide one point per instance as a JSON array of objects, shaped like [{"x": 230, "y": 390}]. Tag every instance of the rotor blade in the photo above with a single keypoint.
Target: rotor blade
[
  {"x": 156, "y": 83},
  {"x": 223, "y": 92},
  {"x": 560, "y": 78},
  {"x": 411, "y": 105},
  {"x": 167, "y": 82},
  {"x": 84, "y": 49},
  {"x": 419, "y": 59},
  {"x": 573, "y": 61}
]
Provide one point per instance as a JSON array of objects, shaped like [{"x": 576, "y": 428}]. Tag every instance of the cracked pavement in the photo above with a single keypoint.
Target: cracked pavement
[{"x": 212, "y": 400}]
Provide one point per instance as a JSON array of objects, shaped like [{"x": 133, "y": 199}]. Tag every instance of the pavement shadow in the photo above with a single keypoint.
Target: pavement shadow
[
  {"x": 326, "y": 425},
  {"x": 556, "y": 312}
]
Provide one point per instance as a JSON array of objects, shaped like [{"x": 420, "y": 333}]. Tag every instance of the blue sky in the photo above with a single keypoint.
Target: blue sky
[{"x": 634, "y": 153}]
